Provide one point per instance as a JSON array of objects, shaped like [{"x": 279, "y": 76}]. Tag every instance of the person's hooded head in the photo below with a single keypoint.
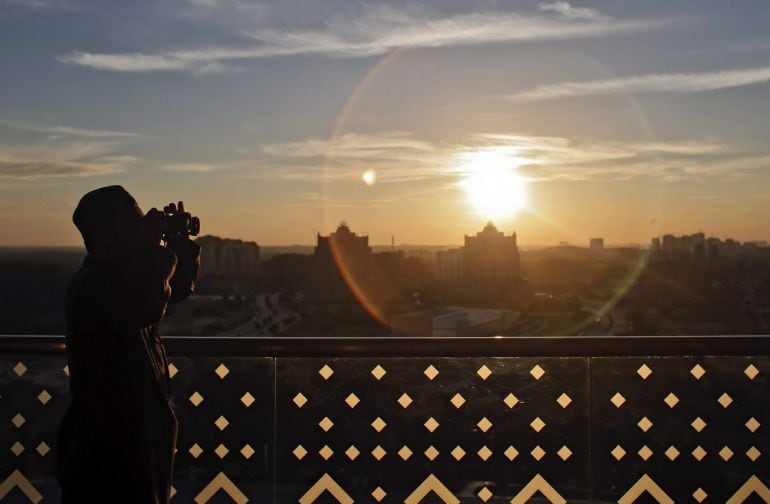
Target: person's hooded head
[{"x": 108, "y": 218}]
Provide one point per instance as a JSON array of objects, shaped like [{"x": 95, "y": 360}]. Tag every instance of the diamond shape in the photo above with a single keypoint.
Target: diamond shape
[
  {"x": 352, "y": 452},
  {"x": 195, "y": 450},
  {"x": 753, "y": 453},
  {"x": 726, "y": 453},
  {"x": 564, "y": 400},
  {"x": 196, "y": 398},
  {"x": 171, "y": 370},
  {"x": 564, "y": 453},
  {"x": 618, "y": 452},
  {"x": 326, "y": 424},
  {"x": 458, "y": 453},
  {"x": 326, "y": 452},
  {"x": 537, "y": 424},
  {"x": 457, "y": 401},
  {"x": 44, "y": 397},
  {"x": 645, "y": 452},
  {"x": 511, "y": 453},
  {"x": 431, "y": 453},
  {"x": 221, "y": 451},
  {"x": 431, "y": 424},
  {"x": 378, "y": 372},
  {"x": 405, "y": 452},
  {"x": 618, "y": 400},
  {"x": 222, "y": 423},
  {"x": 247, "y": 399},
  {"x": 725, "y": 400},
  {"x": 672, "y": 453},
  {"x": 537, "y": 372},
  {"x": 699, "y": 495},
  {"x": 644, "y": 424},
  {"x": 752, "y": 424},
  {"x": 751, "y": 371},
  {"x": 18, "y": 420},
  {"x": 484, "y": 494},
  {"x": 698, "y": 453},
  {"x": 697, "y": 371},
  {"x": 17, "y": 448},
  {"x": 326, "y": 372},
  {"x": 247, "y": 451},
  {"x": 222, "y": 371},
  {"x": 352, "y": 400},
  {"x": 484, "y": 372},
  {"x": 537, "y": 453},
  {"x": 510, "y": 400},
  {"x": 378, "y": 424},
  {"x": 378, "y": 452},
  {"x": 19, "y": 368},
  {"x": 299, "y": 452},
  {"x": 42, "y": 448},
  {"x": 484, "y": 453},
  {"x": 484, "y": 424},
  {"x": 379, "y": 494},
  {"x": 644, "y": 371},
  {"x": 698, "y": 424},
  {"x": 404, "y": 400},
  {"x": 431, "y": 372},
  {"x": 299, "y": 400},
  {"x": 671, "y": 400}
]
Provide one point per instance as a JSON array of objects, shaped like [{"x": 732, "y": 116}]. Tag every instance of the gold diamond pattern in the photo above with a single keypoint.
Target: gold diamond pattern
[
  {"x": 484, "y": 453},
  {"x": 379, "y": 494},
  {"x": 221, "y": 451},
  {"x": 537, "y": 372},
  {"x": 726, "y": 453},
  {"x": 752, "y": 424},
  {"x": 431, "y": 453},
  {"x": 405, "y": 452},
  {"x": 431, "y": 372},
  {"x": 618, "y": 452},
  {"x": 326, "y": 424},
  {"x": 699, "y": 453},
  {"x": 671, "y": 400},
  {"x": 247, "y": 451},
  {"x": 196, "y": 398},
  {"x": 537, "y": 453},
  {"x": 699, "y": 495},
  {"x": 247, "y": 399},
  {"x": 751, "y": 371},
  {"x": 326, "y": 372},
  {"x": 511, "y": 400},
  {"x": 564, "y": 453},
  {"x": 484, "y": 494},
  {"x": 352, "y": 452},
  {"x": 564, "y": 400},
  {"x": 457, "y": 401},
  {"x": 645, "y": 452},
  {"x": 378, "y": 452},
  {"x": 326, "y": 452},
  {"x": 484, "y": 372},
  {"x": 378, "y": 372},
  {"x": 431, "y": 424},
  {"x": 352, "y": 400},
  {"x": 697, "y": 371},
  {"x": 405, "y": 400},
  {"x": 537, "y": 424},
  {"x": 171, "y": 370},
  {"x": 221, "y": 423},
  {"x": 484, "y": 424},
  {"x": 618, "y": 399},
  {"x": 17, "y": 448},
  {"x": 644, "y": 371},
  {"x": 195, "y": 450},
  {"x": 753, "y": 453},
  {"x": 19, "y": 368},
  {"x": 644, "y": 424},
  {"x": 222, "y": 371},
  {"x": 299, "y": 452},
  {"x": 378, "y": 424},
  {"x": 725, "y": 400},
  {"x": 299, "y": 400},
  {"x": 44, "y": 397},
  {"x": 42, "y": 448},
  {"x": 18, "y": 420},
  {"x": 511, "y": 453},
  {"x": 672, "y": 453},
  {"x": 458, "y": 453},
  {"x": 698, "y": 424}
]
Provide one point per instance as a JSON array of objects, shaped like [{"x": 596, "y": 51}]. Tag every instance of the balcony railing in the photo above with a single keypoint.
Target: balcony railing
[{"x": 431, "y": 420}]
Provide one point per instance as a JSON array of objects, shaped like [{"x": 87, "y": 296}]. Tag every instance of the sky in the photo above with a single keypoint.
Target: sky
[{"x": 417, "y": 121}]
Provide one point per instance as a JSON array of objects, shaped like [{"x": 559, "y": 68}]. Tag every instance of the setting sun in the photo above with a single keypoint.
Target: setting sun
[{"x": 492, "y": 186}]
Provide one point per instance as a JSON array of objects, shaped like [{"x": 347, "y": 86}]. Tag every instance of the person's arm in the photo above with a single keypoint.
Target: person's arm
[{"x": 182, "y": 282}]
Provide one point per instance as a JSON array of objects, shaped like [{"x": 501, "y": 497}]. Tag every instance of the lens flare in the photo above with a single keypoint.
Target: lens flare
[
  {"x": 492, "y": 185},
  {"x": 369, "y": 177}
]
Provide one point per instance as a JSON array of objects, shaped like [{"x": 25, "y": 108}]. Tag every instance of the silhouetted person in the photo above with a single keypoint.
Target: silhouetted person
[{"x": 117, "y": 439}]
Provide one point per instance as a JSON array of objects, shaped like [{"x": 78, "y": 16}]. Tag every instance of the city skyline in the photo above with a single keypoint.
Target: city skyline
[{"x": 274, "y": 121}]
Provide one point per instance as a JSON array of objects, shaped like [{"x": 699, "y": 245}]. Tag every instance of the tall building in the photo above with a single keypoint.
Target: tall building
[
  {"x": 227, "y": 257},
  {"x": 448, "y": 264},
  {"x": 490, "y": 257},
  {"x": 596, "y": 244}
]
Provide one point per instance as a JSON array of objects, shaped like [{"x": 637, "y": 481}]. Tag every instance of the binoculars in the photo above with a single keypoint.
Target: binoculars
[{"x": 179, "y": 224}]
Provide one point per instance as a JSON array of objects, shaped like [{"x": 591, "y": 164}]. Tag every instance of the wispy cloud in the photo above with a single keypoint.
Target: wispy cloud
[
  {"x": 376, "y": 32},
  {"x": 60, "y": 130},
  {"x": 190, "y": 167},
  {"x": 678, "y": 82},
  {"x": 61, "y": 159}
]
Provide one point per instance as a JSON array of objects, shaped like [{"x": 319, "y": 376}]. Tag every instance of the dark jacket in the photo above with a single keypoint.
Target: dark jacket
[{"x": 117, "y": 439}]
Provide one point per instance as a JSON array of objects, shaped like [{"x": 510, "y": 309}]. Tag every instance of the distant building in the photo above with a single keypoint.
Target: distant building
[
  {"x": 227, "y": 257},
  {"x": 448, "y": 264},
  {"x": 596, "y": 245},
  {"x": 491, "y": 257},
  {"x": 453, "y": 322}
]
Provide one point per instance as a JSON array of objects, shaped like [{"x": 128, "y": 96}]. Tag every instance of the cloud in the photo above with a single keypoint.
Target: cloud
[
  {"x": 565, "y": 10},
  {"x": 27, "y": 170},
  {"x": 376, "y": 32},
  {"x": 68, "y": 131},
  {"x": 190, "y": 167},
  {"x": 680, "y": 83},
  {"x": 61, "y": 159}
]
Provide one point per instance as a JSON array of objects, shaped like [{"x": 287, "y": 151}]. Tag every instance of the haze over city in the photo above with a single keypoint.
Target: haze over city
[{"x": 273, "y": 121}]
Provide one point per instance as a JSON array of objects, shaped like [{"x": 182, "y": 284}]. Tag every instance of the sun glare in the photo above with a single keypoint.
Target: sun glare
[{"x": 492, "y": 185}]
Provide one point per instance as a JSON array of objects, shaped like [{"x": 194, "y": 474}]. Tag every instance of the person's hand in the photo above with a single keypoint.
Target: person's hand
[{"x": 152, "y": 227}]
